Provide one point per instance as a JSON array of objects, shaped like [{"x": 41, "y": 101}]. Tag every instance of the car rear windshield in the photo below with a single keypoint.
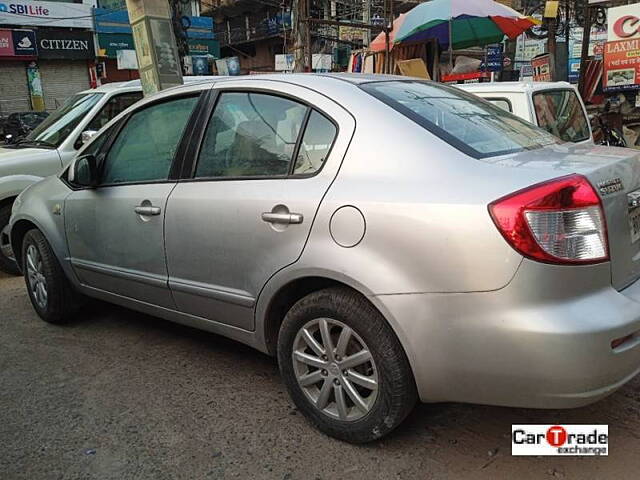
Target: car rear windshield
[{"x": 466, "y": 122}]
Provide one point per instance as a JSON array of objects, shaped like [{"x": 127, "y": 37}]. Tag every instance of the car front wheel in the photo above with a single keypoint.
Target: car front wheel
[
  {"x": 344, "y": 367},
  {"x": 51, "y": 294}
]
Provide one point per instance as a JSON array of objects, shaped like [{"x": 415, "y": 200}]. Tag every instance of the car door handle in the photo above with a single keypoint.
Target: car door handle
[
  {"x": 147, "y": 210},
  {"x": 282, "y": 218}
]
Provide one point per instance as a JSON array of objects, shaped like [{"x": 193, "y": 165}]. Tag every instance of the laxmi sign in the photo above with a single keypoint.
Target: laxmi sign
[{"x": 46, "y": 14}]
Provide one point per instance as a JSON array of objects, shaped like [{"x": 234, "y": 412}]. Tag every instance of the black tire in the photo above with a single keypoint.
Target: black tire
[
  {"x": 62, "y": 300},
  {"x": 396, "y": 391},
  {"x": 7, "y": 265}
]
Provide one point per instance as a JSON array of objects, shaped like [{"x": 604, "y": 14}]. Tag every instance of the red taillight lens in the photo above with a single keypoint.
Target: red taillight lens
[{"x": 559, "y": 221}]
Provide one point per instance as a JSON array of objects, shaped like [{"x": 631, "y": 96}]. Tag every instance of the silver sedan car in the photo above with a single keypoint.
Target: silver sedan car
[{"x": 388, "y": 239}]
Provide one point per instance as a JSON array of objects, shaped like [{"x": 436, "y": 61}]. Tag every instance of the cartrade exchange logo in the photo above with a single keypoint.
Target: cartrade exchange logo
[{"x": 560, "y": 440}]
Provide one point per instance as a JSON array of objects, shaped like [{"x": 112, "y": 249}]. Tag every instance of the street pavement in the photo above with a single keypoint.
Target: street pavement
[{"x": 121, "y": 395}]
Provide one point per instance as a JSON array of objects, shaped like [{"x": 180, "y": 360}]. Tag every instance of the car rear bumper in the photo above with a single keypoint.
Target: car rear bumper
[{"x": 543, "y": 341}]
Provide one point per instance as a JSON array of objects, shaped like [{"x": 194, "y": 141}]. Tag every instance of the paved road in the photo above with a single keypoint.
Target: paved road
[{"x": 120, "y": 395}]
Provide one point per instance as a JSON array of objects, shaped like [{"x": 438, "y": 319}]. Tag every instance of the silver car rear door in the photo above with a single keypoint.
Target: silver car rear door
[{"x": 228, "y": 232}]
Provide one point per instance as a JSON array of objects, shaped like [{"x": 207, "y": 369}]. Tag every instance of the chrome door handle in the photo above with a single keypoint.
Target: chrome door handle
[
  {"x": 147, "y": 211},
  {"x": 282, "y": 218}
]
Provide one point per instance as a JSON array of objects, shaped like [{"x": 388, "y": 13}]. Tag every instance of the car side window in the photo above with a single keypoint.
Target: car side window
[
  {"x": 145, "y": 147},
  {"x": 316, "y": 143},
  {"x": 250, "y": 135},
  {"x": 114, "y": 106}
]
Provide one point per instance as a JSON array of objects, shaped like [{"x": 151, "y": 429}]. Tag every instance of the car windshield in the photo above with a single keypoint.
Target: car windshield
[
  {"x": 57, "y": 126},
  {"x": 466, "y": 122}
]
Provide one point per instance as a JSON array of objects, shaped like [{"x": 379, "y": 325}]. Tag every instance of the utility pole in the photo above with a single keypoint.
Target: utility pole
[
  {"x": 300, "y": 30},
  {"x": 584, "y": 54},
  {"x": 155, "y": 43},
  {"x": 366, "y": 18}
]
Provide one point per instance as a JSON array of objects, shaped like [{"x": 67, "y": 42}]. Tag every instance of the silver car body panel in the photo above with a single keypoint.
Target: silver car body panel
[
  {"x": 224, "y": 279},
  {"x": 477, "y": 321}
]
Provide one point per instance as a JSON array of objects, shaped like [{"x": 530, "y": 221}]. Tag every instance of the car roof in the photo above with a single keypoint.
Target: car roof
[
  {"x": 514, "y": 87},
  {"x": 136, "y": 85}
]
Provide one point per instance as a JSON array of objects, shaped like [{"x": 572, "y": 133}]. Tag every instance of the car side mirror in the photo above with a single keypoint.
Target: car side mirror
[
  {"x": 83, "y": 171},
  {"x": 87, "y": 135}
]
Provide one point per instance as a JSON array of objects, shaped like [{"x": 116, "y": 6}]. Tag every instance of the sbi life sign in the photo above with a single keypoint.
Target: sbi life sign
[
  {"x": 46, "y": 14},
  {"x": 23, "y": 9}
]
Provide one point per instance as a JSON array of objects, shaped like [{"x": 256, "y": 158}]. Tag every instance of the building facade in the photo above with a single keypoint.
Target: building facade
[{"x": 47, "y": 53}]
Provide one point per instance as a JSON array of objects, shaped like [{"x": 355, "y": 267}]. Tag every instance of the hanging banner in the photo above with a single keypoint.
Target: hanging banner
[
  {"x": 35, "y": 87},
  {"x": 622, "y": 65}
]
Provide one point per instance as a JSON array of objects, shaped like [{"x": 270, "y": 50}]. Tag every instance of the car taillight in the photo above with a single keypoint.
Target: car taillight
[{"x": 559, "y": 221}]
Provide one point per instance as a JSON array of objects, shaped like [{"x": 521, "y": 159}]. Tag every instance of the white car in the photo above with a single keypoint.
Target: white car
[
  {"x": 55, "y": 142},
  {"x": 554, "y": 106}
]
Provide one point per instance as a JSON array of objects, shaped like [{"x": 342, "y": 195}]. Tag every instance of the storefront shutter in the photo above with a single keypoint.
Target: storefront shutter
[
  {"x": 14, "y": 92},
  {"x": 61, "y": 79}
]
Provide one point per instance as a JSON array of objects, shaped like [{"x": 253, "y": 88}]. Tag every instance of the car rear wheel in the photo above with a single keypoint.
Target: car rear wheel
[
  {"x": 7, "y": 260},
  {"x": 344, "y": 367},
  {"x": 51, "y": 294}
]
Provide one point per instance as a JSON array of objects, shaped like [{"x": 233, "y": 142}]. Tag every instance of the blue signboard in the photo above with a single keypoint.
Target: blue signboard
[
  {"x": 24, "y": 43},
  {"x": 494, "y": 58},
  {"x": 117, "y": 21},
  {"x": 574, "y": 70}
]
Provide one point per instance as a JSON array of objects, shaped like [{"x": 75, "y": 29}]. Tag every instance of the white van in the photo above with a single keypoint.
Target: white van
[{"x": 54, "y": 143}]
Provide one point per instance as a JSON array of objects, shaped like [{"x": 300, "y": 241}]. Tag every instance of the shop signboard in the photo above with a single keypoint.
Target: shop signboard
[
  {"x": 18, "y": 43},
  {"x": 204, "y": 46},
  {"x": 46, "y": 14},
  {"x": 573, "y": 70},
  {"x": 622, "y": 65},
  {"x": 110, "y": 43},
  {"x": 6, "y": 43},
  {"x": 284, "y": 62},
  {"x": 494, "y": 58},
  {"x": 541, "y": 68},
  {"x": 200, "y": 65},
  {"x": 623, "y": 22},
  {"x": 321, "y": 62},
  {"x": 65, "y": 44}
]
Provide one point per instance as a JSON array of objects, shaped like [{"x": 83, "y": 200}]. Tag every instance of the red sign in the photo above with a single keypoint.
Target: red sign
[
  {"x": 459, "y": 77},
  {"x": 541, "y": 68},
  {"x": 622, "y": 65},
  {"x": 6, "y": 43}
]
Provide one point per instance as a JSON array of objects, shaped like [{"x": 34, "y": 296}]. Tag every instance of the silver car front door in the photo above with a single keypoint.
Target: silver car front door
[
  {"x": 249, "y": 207},
  {"x": 115, "y": 232}
]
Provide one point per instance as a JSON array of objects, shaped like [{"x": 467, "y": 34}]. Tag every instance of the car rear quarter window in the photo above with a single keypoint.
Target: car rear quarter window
[
  {"x": 560, "y": 113},
  {"x": 250, "y": 135},
  {"x": 317, "y": 140},
  {"x": 466, "y": 122}
]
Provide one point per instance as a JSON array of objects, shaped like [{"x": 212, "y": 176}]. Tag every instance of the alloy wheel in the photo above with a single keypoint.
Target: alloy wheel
[
  {"x": 335, "y": 369},
  {"x": 35, "y": 274}
]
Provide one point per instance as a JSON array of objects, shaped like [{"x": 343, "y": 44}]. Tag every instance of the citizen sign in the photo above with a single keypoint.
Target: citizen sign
[
  {"x": 56, "y": 44},
  {"x": 47, "y": 44}
]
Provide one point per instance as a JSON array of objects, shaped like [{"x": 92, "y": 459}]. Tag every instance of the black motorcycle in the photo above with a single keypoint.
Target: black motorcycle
[{"x": 18, "y": 125}]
